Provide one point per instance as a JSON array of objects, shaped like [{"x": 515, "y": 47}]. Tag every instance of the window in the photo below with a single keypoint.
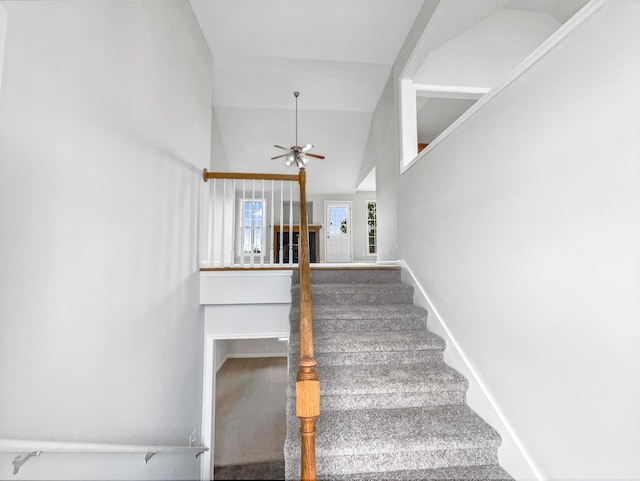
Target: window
[
  {"x": 372, "y": 227},
  {"x": 253, "y": 212}
]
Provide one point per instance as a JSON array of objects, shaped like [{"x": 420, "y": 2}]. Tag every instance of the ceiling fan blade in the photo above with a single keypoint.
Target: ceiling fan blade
[
  {"x": 281, "y": 147},
  {"x": 306, "y": 147},
  {"x": 278, "y": 156},
  {"x": 316, "y": 156}
]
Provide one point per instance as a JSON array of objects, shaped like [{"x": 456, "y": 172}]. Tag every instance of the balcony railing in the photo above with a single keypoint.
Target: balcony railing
[
  {"x": 240, "y": 212},
  {"x": 251, "y": 220}
]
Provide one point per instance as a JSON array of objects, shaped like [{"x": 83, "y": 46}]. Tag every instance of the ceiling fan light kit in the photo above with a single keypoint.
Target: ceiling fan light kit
[{"x": 297, "y": 155}]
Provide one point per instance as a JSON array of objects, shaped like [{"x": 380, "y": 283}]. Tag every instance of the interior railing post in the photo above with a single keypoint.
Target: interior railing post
[{"x": 307, "y": 381}]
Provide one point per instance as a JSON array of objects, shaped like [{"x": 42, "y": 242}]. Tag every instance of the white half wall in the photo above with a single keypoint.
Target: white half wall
[
  {"x": 105, "y": 126},
  {"x": 245, "y": 312},
  {"x": 523, "y": 227}
]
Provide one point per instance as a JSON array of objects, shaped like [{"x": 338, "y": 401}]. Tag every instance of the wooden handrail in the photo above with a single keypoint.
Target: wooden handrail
[
  {"x": 307, "y": 381},
  {"x": 206, "y": 175}
]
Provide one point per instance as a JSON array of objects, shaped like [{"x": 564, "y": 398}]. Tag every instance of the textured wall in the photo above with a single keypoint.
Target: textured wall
[
  {"x": 523, "y": 228},
  {"x": 105, "y": 125}
]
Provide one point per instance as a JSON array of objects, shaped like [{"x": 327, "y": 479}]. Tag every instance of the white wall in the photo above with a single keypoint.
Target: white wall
[
  {"x": 436, "y": 114},
  {"x": 105, "y": 122},
  {"x": 381, "y": 148},
  {"x": 3, "y": 33},
  {"x": 485, "y": 53},
  {"x": 523, "y": 227},
  {"x": 249, "y": 348},
  {"x": 218, "y": 154},
  {"x": 358, "y": 221}
]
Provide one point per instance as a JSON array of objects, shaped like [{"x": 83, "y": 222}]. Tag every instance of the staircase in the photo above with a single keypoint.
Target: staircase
[{"x": 390, "y": 407}]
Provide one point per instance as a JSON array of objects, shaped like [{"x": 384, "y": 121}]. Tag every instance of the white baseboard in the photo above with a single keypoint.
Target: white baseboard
[{"x": 512, "y": 454}]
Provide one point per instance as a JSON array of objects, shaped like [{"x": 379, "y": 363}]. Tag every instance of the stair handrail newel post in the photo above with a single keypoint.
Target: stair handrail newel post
[{"x": 307, "y": 380}]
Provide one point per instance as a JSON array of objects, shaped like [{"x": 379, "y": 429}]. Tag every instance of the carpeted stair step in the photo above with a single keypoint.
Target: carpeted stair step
[
  {"x": 361, "y": 275},
  {"x": 388, "y": 440},
  {"x": 363, "y": 318},
  {"x": 387, "y": 387},
  {"x": 375, "y": 347},
  {"x": 463, "y": 473},
  {"x": 390, "y": 407},
  {"x": 356, "y": 294}
]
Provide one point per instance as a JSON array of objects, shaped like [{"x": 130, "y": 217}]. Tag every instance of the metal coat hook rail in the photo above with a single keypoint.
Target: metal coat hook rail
[{"x": 32, "y": 448}]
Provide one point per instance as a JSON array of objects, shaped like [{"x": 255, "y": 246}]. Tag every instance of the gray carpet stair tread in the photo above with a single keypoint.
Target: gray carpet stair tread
[
  {"x": 392, "y": 317},
  {"x": 385, "y": 379},
  {"x": 356, "y": 276},
  {"x": 352, "y": 294},
  {"x": 356, "y": 288},
  {"x": 373, "y": 341},
  {"x": 372, "y": 379},
  {"x": 375, "y": 431},
  {"x": 458, "y": 473},
  {"x": 391, "y": 311}
]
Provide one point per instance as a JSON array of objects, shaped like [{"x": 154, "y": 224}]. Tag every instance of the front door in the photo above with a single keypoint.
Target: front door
[{"x": 338, "y": 222}]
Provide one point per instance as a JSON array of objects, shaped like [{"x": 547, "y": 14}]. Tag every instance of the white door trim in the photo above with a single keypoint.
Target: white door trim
[{"x": 209, "y": 393}]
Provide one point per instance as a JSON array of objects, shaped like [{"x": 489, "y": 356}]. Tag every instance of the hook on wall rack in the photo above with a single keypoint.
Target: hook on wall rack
[
  {"x": 18, "y": 461},
  {"x": 148, "y": 456}
]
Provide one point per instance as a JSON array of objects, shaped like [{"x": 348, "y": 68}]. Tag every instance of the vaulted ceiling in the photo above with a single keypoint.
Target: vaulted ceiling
[{"x": 338, "y": 54}]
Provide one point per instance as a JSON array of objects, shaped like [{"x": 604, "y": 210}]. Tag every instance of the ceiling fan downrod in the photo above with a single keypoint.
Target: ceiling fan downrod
[
  {"x": 296, "y": 95},
  {"x": 297, "y": 154}
]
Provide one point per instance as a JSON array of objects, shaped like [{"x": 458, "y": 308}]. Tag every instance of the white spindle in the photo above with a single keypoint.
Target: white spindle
[
  {"x": 252, "y": 221},
  {"x": 263, "y": 243},
  {"x": 271, "y": 222},
  {"x": 232, "y": 230},
  {"x": 281, "y": 243},
  {"x": 242, "y": 232},
  {"x": 222, "y": 216},
  {"x": 290, "y": 223},
  {"x": 212, "y": 222}
]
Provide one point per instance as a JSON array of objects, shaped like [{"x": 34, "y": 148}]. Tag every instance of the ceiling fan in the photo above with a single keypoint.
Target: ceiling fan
[{"x": 297, "y": 154}]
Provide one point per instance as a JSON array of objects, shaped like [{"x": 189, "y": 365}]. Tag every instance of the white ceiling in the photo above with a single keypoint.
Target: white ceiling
[
  {"x": 561, "y": 10},
  {"x": 338, "y": 54},
  {"x": 485, "y": 53}
]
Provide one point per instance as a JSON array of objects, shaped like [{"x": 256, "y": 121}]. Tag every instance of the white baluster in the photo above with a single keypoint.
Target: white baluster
[
  {"x": 211, "y": 203},
  {"x": 242, "y": 232},
  {"x": 271, "y": 222},
  {"x": 223, "y": 225},
  {"x": 281, "y": 244},
  {"x": 290, "y": 222}
]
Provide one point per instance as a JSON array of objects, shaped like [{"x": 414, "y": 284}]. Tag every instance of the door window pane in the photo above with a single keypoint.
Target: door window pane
[
  {"x": 252, "y": 225},
  {"x": 338, "y": 220}
]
